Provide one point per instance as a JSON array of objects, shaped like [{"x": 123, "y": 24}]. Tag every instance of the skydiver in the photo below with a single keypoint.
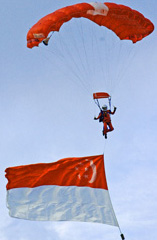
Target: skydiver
[{"x": 104, "y": 116}]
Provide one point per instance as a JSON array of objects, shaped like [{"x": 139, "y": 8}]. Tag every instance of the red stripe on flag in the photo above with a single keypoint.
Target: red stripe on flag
[{"x": 84, "y": 171}]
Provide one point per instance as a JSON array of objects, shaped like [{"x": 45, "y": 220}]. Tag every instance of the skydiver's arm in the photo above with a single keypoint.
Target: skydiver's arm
[
  {"x": 113, "y": 111},
  {"x": 96, "y": 118}
]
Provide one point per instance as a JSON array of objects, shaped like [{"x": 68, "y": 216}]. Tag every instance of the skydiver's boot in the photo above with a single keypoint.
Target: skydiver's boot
[{"x": 106, "y": 135}]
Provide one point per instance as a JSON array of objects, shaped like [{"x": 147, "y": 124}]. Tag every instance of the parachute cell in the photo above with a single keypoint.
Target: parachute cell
[
  {"x": 100, "y": 95},
  {"x": 127, "y": 23}
]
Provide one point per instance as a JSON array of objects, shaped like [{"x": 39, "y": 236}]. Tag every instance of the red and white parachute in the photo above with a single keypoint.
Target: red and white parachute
[{"x": 126, "y": 23}]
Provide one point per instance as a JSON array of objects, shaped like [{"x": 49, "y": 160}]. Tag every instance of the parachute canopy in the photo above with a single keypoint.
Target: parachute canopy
[
  {"x": 100, "y": 95},
  {"x": 125, "y": 22}
]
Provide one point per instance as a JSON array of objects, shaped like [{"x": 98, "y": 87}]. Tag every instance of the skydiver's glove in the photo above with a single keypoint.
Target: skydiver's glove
[
  {"x": 115, "y": 108},
  {"x": 95, "y": 118}
]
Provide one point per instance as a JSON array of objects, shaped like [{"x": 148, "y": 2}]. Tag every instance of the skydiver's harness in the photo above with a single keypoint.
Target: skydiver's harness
[
  {"x": 103, "y": 114},
  {"x": 101, "y": 111}
]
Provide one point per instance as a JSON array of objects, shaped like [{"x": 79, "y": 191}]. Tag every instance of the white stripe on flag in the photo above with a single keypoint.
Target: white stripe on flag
[{"x": 60, "y": 203}]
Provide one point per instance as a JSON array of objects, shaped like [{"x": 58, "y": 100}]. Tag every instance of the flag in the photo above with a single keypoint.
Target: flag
[{"x": 71, "y": 189}]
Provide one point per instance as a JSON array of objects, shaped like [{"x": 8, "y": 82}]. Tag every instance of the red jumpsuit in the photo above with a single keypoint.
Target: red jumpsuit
[{"x": 106, "y": 120}]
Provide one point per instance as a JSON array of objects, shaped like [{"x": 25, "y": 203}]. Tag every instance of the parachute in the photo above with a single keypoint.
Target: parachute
[
  {"x": 84, "y": 50},
  {"x": 125, "y": 22}
]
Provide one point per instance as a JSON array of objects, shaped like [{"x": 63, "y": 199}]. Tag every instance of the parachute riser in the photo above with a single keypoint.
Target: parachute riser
[
  {"x": 109, "y": 102},
  {"x": 98, "y": 104}
]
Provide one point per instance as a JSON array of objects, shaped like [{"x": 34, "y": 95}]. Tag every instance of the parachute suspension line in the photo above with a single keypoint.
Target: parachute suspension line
[
  {"x": 91, "y": 52},
  {"x": 61, "y": 58},
  {"x": 124, "y": 63},
  {"x": 96, "y": 61},
  {"x": 76, "y": 46},
  {"x": 109, "y": 59},
  {"x": 117, "y": 59},
  {"x": 106, "y": 56},
  {"x": 50, "y": 61},
  {"x": 86, "y": 56},
  {"x": 94, "y": 57},
  {"x": 101, "y": 65},
  {"x": 106, "y": 61},
  {"x": 63, "y": 49},
  {"x": 114, "y": 51},
  {"x": 116, "y": 63},
  {"x": 93, "y": 64},
  {"x": 131, "y": 56},
  {"x": 68, "y": 50}
]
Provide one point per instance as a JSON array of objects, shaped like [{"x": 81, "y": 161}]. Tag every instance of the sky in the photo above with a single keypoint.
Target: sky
[{"x": 47, "y": 114}]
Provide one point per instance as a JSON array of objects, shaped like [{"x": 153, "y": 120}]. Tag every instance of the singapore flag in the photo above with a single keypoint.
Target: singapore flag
[{"x": 71, "y": 189}]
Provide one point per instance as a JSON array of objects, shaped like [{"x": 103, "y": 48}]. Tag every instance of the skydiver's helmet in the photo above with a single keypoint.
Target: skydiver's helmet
[{"x": 104, "y": 107}]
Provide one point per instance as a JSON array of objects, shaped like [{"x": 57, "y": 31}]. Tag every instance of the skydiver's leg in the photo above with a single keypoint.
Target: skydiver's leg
[
  {"x": 105, "y": 128},
  {"x": 110, "y": 127}
]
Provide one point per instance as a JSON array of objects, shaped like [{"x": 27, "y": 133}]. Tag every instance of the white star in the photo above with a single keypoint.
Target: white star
[
  {"x": 80, "y": 163},
  {"x": 79, "y": 176},
  {"x": 86, "y": 176}
]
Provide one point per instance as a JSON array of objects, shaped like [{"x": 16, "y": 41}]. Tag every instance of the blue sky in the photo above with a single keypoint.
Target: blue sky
[{"x": 47, "y": 114}]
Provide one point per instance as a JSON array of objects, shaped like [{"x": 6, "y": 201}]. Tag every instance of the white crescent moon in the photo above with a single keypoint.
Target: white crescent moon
[{"x": 94, "y": 172}]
